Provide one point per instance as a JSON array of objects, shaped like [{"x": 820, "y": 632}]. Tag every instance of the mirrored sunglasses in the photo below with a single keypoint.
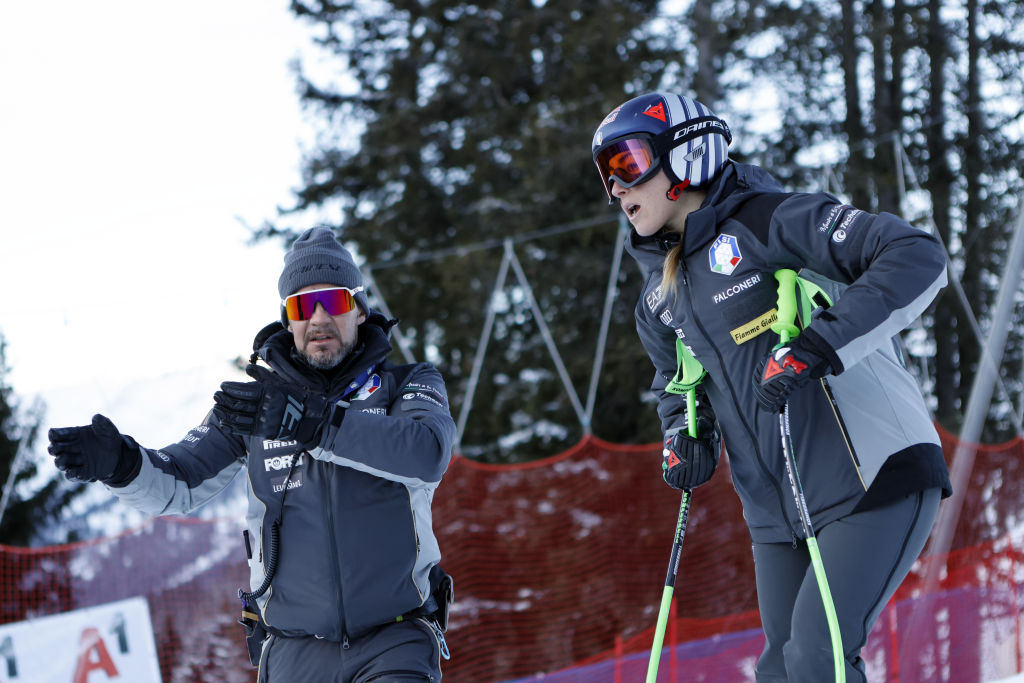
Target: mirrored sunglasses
[
  {"x": 627, "y": 162},
  {"x": 335, "y": 300}
]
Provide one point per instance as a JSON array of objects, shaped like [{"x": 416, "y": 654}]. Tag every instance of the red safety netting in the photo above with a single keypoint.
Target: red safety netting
[{"x": 559, "y": 567}]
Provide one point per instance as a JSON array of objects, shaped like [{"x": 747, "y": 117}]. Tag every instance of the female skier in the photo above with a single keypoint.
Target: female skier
[{"x": 710, "y": 234}]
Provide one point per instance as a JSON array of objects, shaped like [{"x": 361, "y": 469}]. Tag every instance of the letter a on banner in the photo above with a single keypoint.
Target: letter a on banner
[{"x": 93, "y": 655}]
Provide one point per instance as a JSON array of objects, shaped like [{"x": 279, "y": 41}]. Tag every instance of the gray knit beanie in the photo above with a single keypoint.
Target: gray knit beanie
[{"x": 317, "y": 257}]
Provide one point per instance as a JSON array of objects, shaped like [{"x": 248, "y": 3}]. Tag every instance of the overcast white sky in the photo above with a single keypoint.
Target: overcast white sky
[{"x": 133, "y": 136}]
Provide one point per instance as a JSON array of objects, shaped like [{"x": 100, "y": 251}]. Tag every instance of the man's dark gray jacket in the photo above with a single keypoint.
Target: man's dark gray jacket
[
  {"x": 869, "y": 417},
  {"x": 356, "y": 537}
]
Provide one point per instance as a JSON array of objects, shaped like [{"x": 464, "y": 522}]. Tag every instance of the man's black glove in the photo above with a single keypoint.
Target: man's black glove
[
  {"x": 95, "y": 452},
  {"x": 689, "y": 462},
  {"x": 784, "y": 371},
  {"x": 271, "y": 408}
]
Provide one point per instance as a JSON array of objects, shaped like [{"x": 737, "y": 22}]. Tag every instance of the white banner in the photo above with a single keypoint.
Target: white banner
[{"x": 111, "y": 642}]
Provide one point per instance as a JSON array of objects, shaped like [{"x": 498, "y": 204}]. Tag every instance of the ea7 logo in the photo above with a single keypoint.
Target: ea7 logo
[
  {"x": 655, "y": 298},
  {"x": 281, "y": 462}
]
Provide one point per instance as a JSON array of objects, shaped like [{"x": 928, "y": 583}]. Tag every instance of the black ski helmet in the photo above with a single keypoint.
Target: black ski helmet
[{"x": 661, "y": 130}]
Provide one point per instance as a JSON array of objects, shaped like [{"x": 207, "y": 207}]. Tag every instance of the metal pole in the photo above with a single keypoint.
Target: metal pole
[
  {"x": 403, "y": 344},
  {"x": 546, "y": 334},
  {"x": 602, "y": 337},
  {"x": 974, "y": 419},
  {"x": 901, "y": 182},
  {"x": 986, "y": 361},
  {"x": 481, "y": 347}
]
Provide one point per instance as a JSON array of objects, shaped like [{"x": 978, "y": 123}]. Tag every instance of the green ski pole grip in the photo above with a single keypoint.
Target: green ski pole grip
[
  {"x": 691, "y": 412},
  {"x": 785, "y": 325}
]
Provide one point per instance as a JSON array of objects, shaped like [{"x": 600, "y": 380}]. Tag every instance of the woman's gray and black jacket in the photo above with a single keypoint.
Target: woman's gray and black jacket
[
  {"x": 865, "y": 426},
  {"x": 356, "y": 539}
]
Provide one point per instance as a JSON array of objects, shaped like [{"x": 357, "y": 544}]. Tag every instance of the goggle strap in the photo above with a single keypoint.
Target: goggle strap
[
  {"x": 688, "y": 130},
  {"x": 351, "y": 290}
]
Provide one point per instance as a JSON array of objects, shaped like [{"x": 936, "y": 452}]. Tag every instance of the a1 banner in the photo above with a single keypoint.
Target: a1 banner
[{"x": 111, "y": 642}]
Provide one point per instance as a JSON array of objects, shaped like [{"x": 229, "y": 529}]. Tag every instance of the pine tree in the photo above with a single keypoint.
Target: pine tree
[
  {"x": 991, "y": 92},
  {"x": 928, "y": 80},
  {"x": 460, "y": 126},
  {"x": 450, "y": 128},
  {"x": 25, "y": 515}
]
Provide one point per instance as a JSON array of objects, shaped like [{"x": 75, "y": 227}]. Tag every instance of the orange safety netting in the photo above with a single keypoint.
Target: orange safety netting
[{"x": 559, "y": 567}]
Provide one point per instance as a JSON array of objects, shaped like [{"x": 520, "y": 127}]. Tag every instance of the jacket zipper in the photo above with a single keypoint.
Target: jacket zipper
[
  {"x": 329, "y": 513},
  {"x": 334, "y": 555},
  {"x": 753, "y": 439},
  {"x": 843, "y": 430}
]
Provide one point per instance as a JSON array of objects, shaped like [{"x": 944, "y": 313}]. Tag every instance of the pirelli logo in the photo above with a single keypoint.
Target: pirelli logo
[{"x": 757, "y": 326}]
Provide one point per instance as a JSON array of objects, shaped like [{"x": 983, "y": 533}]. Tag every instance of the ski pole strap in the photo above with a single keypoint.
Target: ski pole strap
[{"x": 689, "y": 371}]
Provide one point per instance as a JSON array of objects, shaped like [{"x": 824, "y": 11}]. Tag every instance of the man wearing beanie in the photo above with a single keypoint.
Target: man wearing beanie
[{"x": 342, "y": 450}]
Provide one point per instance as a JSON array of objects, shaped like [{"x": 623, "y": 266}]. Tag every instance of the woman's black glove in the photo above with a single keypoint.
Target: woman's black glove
[
  {"x": 784, "y": 371},
  {"x": 689, "y": 462},
  {"x": 95, "y": 452},
  {"x": 271, "y": 408}
]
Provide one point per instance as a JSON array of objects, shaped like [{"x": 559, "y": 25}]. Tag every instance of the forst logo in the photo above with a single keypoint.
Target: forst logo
[{"x": 281, "y": 462}]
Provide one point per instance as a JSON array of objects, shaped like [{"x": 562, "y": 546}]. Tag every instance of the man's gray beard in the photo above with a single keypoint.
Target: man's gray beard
[{"x": 322, "y": 362}]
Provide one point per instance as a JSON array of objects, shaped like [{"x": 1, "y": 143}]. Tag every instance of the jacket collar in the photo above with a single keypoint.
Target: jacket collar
[{"x": 702, "y": 225}]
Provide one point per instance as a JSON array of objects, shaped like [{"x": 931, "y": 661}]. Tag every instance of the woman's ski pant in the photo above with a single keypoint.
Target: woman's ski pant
[{"x": 866, "y": 557}]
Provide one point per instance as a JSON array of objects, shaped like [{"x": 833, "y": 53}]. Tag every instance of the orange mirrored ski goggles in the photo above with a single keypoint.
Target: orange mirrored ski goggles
[
  {"x": 335, "y": 300},
  {"x": 627, "y": 161}
]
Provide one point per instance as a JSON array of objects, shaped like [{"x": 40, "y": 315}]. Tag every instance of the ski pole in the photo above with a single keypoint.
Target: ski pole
[
  {"x": 677, "y": 550},
  {"x": 786, "y": 328}
]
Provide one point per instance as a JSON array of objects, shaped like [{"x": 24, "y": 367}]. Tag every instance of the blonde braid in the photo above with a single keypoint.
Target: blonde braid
[{"x": 669, "y": 268}]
